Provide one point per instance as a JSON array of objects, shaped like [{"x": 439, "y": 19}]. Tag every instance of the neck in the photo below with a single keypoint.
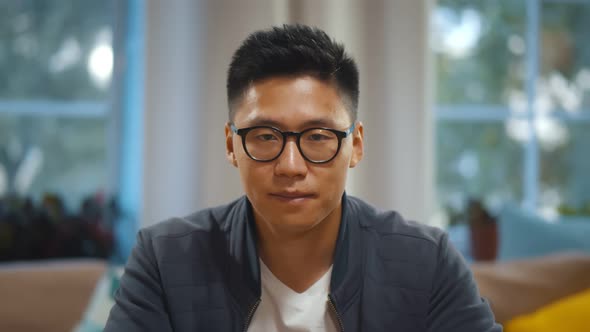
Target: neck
[{"x": 299, "y": 258}]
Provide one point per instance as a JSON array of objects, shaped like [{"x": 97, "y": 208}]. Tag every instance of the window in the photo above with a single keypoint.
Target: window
[
  {"x": 57, "y": 64},
  {"x": 513, "y": 103},
  {"x": 69, "y": 116}
]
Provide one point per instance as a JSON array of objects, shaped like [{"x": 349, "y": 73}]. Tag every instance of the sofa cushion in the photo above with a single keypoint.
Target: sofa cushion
[
  {"x": 46, "y": 295},
  {"x": 522, "y": 286},
  {"x": 568, "y": 314}
]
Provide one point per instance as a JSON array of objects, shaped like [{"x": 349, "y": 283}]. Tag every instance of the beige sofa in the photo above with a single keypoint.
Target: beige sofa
[
  {"x": 48, "y": 296},
  {"x": 520, "y": 287},
  {"x": 52, "y": 296}
]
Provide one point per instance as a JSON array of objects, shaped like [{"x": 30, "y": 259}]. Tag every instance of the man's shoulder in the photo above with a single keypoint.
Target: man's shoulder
[
  {"x": 217, "y": 218},
  {"x": 389, "y": 224},
  {"x": 407, "y": 250}
]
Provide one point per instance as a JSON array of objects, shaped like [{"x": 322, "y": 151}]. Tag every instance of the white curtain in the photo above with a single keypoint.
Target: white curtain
[{"x": 188, "y": 49}]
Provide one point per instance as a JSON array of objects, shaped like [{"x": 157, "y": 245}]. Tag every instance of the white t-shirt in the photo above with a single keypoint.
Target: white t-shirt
[{"x": 283, "y": 310}]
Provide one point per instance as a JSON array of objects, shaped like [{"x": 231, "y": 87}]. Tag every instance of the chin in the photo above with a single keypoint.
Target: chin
[
  {"x": 301, "y": 219},
  {"x": 295, "y": 225}
]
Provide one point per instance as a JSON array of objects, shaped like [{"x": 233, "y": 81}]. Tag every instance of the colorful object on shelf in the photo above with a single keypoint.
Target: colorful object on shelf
[{"x": 29, "y": 232}]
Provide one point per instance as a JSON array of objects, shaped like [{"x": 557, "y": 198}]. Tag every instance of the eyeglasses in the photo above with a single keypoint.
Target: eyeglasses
[{"x": 316, "y": 145}]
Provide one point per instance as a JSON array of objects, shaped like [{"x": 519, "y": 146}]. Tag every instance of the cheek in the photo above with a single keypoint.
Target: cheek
[
  {"x": 253, "y": 175},
  {"x": 341, "y": 166},
  {"x": 333, "y": 178},
  {"x": 342, "y": 161}
]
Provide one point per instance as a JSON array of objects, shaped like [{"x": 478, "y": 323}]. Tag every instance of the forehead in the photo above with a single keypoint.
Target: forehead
[{"x": 292, "y": 102}]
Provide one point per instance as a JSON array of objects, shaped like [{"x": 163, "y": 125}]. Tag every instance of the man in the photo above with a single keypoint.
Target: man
[{"x": 296, "y": 253}]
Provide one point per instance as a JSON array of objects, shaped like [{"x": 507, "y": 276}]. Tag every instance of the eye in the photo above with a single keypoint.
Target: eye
[
  {"x": 318, "y": 137},
  {"x": 267, "y": 137}
]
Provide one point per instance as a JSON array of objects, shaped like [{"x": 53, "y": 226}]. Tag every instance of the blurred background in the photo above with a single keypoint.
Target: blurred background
[{"x": 476, "y": 113}]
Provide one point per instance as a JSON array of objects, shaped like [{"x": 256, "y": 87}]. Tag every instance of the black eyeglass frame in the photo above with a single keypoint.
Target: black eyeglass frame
[{"x": 242, "y": 132}]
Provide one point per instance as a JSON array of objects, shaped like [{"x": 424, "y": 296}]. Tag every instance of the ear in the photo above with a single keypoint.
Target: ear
[
  {"x": 357, "y": 144},
  {"x": 229, "y": 146}
]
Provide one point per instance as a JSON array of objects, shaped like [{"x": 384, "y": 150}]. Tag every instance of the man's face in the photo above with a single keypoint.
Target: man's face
[{"x": 290, "y": 193}]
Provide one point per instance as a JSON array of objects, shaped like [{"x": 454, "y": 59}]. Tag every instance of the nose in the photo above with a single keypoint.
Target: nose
[{"x": 291, "y": 163}]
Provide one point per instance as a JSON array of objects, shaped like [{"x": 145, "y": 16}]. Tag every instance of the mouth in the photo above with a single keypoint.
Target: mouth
[{"x": 292, "y": 197}]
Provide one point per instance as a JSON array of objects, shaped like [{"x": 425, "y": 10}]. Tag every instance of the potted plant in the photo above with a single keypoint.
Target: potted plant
[{"x": 483, "y": 230}]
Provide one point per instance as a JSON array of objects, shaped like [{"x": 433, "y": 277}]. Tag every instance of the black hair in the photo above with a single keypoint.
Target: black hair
[{"x": 292, "y": 50}]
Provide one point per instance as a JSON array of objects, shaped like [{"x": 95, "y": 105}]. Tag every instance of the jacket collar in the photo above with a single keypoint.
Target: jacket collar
[
  {"x": 244, "y": 269},
  {"x": 348, "y": 266}
]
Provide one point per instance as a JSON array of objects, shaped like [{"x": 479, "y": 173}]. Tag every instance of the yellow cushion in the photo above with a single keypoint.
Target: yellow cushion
[{"x": 571, "y": 314}]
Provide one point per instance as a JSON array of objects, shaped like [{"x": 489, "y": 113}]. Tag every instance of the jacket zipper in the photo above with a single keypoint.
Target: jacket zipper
[
  {"x": 251, "y": 314},
  {"x": 338, "y": 318}
]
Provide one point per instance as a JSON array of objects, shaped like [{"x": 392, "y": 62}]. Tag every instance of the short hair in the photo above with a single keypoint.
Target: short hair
[{"x": 292, "y": 50}]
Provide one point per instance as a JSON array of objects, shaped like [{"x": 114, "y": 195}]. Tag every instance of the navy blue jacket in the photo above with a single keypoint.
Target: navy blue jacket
[{"x": 201, "y": 273}]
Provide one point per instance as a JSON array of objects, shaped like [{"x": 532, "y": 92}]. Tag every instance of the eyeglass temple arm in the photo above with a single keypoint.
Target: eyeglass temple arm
[{"x": 350, "y": 130}]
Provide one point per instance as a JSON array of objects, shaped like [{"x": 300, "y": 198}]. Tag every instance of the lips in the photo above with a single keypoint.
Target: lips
[{"x": 292, "y": 196}]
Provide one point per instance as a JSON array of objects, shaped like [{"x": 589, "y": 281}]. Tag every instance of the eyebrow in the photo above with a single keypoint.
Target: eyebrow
[{"x": 306, "y": 124}]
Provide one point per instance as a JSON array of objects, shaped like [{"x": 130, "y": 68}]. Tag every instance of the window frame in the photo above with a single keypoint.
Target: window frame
[
  {"x": 122, "y": 110},
  {"x": 499, "y": 113}
]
